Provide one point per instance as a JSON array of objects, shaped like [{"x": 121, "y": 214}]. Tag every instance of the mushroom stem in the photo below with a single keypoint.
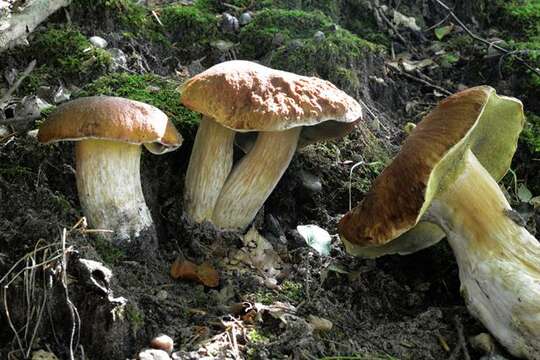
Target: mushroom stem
[
  {"x": 254, "y": 177},
  {"x": 209, "y": 165},
  {"x": 498, "y": 260},
  {"x": 109, "y": 185}
]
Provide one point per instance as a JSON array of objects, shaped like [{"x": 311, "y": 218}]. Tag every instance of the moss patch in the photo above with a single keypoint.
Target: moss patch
[
  {"x": 190, "y": 28},
  {"x": 272, "y": 27},
  {"x": 152, "y": 89},
  {"x": 335, "y": 58},
  {"x": 63, "y": 53}
]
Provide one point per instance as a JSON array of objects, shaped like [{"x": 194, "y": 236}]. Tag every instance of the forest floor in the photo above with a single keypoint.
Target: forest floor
[{"x": 399, "y": 59}]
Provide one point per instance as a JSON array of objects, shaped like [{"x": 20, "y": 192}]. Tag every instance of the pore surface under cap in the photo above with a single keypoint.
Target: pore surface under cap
[
  {"x": 109, "y": 118},
  {"x": 245, "y": 96}
]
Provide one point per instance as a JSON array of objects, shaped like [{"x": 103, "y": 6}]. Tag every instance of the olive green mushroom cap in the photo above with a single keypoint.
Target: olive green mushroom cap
[
  {"x": 245, "y": 96},
  {"x": 387, "y": 219},
  {"x": 111, "y": 118}
]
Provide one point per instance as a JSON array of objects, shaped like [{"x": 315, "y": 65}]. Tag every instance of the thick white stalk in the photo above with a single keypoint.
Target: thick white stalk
[
  {"x": 499, "y": 261},
  {"x": 254, "y": 177},
  {"x": 109, "y": 185},
  {"x": 209, "y": 165}
]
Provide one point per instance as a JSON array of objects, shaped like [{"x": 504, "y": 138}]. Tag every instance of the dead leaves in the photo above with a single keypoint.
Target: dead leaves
[{"x": 186, "y": 270}]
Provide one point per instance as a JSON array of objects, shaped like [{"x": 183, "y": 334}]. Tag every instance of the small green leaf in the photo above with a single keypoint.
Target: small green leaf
[
  {"x": 441, "y": 32},
  {"x": 523, "y": 193}
]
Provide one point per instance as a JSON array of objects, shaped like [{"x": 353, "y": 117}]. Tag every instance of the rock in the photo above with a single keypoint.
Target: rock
[
  {"x": 162, "y": 295},
  {"x": 61, "y": 95},
  {"x": 295, "y": 44},
  {"x": 493, "y": 357},
  {"x": 98, "y": 42},
  {"x": 31, "y": 107},
  {"x": 162, "y": 342},
  {"x": 229, "y": 23},
  {"x": 483, "y": 342},
  {"x": 119, "y": 59},
  {"x": 245, "y": 18},
  {"x": 43, "y": 355},
  {"x": 278, "y": 39},
  {"x": 319, "y": 324},
  {"x": 319, "y": 36},
  {"x": 310, "y": 181},
  {"x": 153, "y": 354}
]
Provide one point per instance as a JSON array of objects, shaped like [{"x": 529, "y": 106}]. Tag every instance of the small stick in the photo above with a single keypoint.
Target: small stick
[
  {"x": 482, "y": 40},
  {"x": 427, "y": 83},
  {"x": 17, "y": 83}
]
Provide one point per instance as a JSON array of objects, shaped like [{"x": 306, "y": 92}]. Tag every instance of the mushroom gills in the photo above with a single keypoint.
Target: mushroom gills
[
  {"x": 254, "y": 177},
  {"x": 209, "y": 165},
  {"x": 109, "y": 186},
  {"x": 498, "y": 260}
]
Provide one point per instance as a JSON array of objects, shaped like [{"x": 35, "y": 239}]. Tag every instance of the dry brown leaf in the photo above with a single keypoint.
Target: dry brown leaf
[{"x": 186, "y": 270}]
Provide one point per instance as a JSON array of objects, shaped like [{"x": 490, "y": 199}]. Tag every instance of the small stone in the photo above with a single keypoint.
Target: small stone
[
  {"x": 119, "y": 59},
  {"x": 162, "y": 342},
  {"x": 319, "y": 36},
  {"x": 162, "y": 295},
  {"x": 319, "y": 323},
  {"x": 4, "y": 131},
  {"x": 153, "y": 354},
  {"x": 61, "y": 95},
  {"x": 229, "y": 23},
  {"x": 310, "y": 181},
  {"x": 278, "y": 39},
  {"x": 483, "y": 342},
  {"x": 98, "y": 42},
  {"x": 295, "y": 44},
  {"x": 245, "y": 18}
]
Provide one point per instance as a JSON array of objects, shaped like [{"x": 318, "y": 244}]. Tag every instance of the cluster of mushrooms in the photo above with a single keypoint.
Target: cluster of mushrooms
[{"x": 443, "y": 183}]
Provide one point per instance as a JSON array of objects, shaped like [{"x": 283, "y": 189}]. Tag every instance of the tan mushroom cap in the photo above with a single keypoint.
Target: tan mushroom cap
[
  {"x": 111, "y": 118},
  {"x": 245, "y": 96},
  {"x": 430, "y": 157}
]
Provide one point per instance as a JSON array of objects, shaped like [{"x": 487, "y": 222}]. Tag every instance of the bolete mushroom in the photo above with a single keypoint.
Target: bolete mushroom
[
  {"x": 442, "y": 175},
  {"x": 109, "y": 132},
  {"x": 242, "y": 96}
]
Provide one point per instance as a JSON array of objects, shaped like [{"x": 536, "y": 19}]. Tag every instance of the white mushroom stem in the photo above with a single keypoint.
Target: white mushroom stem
[
  {"x": 499, "y": 261},
  {"x": 109, "y": 185},
  {"x": 254, "y": 177},
  {"x": 209, "y": 165}
]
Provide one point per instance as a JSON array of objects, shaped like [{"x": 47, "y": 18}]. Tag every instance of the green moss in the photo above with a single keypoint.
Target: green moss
[
  {"x": 152, "y": 89},
  {"x": 525, "y": 12},
  {"x": 293, "y": 290},
  {"x": 336, "y": 58},
  {"x": 259, "y": 36},
  {"x": 191, "y": 29},
  {"x": 65, "y": 53},
  {"x": 110, "y": 253},
  {"x": 135, "y": 317},
  {"x": 264, "y": 297},
  {"x": 257, "y": 336},
  {"x": 531, "y": 134}
]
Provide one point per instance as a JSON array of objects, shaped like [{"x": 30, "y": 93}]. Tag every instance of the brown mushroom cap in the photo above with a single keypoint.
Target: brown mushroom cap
[
  {"x": 245, "y": 96},
  {"x": 429, "y": 159},
  {"x": 110, "y": 118}
]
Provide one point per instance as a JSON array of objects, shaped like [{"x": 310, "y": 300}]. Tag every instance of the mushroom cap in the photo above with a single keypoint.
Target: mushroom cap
[
  {"x": 245, "y": 96},
  {"x": 111, "y": 118},
  {"x": 476, "y": 119}
]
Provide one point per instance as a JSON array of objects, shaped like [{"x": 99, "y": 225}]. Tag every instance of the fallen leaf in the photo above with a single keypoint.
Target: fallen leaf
[
  {"x": 316, "y": 237},
  {"x": 523, "y": 193},
  {"x": 187, "y": 270},
  {"x": 442, "y": 31}
]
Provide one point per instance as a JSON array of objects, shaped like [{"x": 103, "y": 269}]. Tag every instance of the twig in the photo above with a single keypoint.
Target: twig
[
  {"x": 157, "y": 18},
  {"x": 482, "y": 40},
  {"x": 427, "y": 83},
  {"x": 462, "y": 343},
  {"x": 17, "y": 83}
]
